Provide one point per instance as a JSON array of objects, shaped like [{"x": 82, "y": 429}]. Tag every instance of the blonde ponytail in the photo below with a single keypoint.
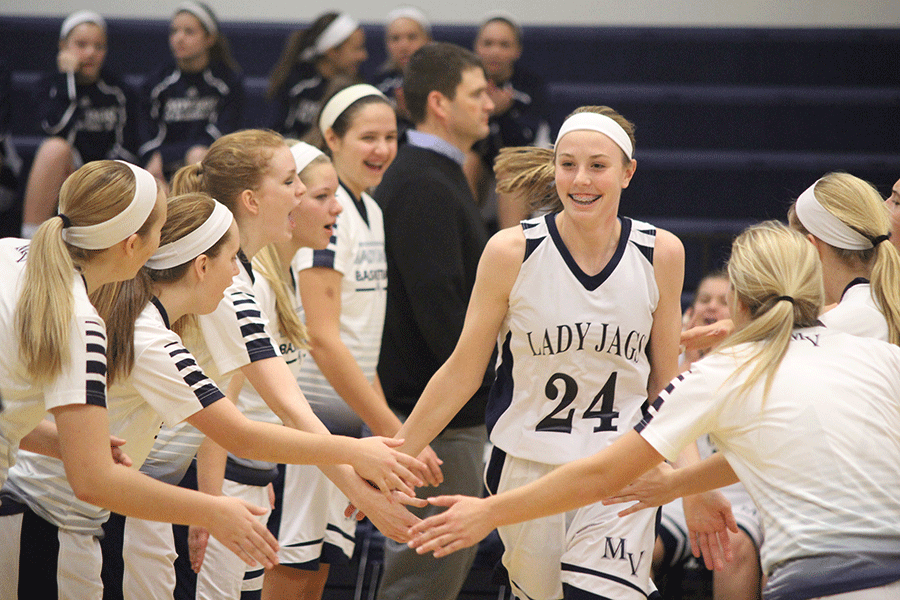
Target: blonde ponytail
[
  {"x": 45, "y": 307},
  {"x": 859, "y": 206},
  {"x": 268, "y": 264},
  {"x": 776, "y": 275},
  {"x": 93, "y": 194}
]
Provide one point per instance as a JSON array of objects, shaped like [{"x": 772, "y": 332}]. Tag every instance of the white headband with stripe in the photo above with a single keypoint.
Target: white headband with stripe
[
  {"x": 821, "y": 223},
  {"x": 195, "y": 243},
  {"x": 601, "y": 124},
  {"x": 304, "y": 154},
  {"x": 79, "y": 18},
  {"x": 342, "y": 100},
  {"x": 333, "y": 35},
  {"x": 202, "y": 13},
  {"x": 108, "y": 233}
]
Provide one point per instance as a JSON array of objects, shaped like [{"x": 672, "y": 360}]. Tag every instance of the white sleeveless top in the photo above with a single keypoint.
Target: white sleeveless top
[{"x": 573, "y": 366}]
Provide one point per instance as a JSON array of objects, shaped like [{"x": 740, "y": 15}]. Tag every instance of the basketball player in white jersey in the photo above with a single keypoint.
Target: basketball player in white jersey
[
  {"x": 807, "y": 418},
  {"x": 585, "y": 307}
]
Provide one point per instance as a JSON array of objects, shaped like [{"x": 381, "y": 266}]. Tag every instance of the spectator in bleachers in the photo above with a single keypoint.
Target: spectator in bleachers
[
  {"x": 87, "y": 112},
  {"x": 407, "y": 29},
  {"x": 194, "y": 99},
  {"x": 334, "y": 45},
  {"x": 519, "y": 117}
]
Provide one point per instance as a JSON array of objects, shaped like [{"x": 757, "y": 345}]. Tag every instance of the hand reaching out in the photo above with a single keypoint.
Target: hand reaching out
[
  {"x": 198, "y": 537},
  {"x": 709, "y": 518},
  {"x": 653, "y": 488},
  {"x": 234, "y": 523},
  {"x": 465, "y": 523},
  {"x": 388, "y": 469}
]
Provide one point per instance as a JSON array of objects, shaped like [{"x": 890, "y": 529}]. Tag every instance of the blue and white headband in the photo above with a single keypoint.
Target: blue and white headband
[{"x": 413, "y": 14}]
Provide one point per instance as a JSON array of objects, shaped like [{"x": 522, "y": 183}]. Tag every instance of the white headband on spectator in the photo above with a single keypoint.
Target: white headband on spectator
[
  {"x": 202, "y": 13},
  {"x": 333, "y": 35},
  {"x": 413, "y": 14},
  {"x": 821, "y": 223},
  {"x": 108, "y": 233},
  {"x": 195, "y": 243},
  {"x": 601, "y": 124},
  {"x": 77, "y": 18},
  {"x": 342, "y": 100},
  {"x": 304, "y": 154}
]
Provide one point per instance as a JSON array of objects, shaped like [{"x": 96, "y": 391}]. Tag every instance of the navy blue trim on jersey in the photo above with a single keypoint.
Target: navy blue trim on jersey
[
  {"x": 95, "y": 364},
  {"x": 324, "y": 258},
  {"x": 357, "y": 202},
  {"x": 251, "y": 326},
  {"x": 532, "y": 244},
  {"x": 494, "y": 469},
  {"x": 162, "y": 311},
  {"x": 647, "y": 251},
  {"x": 335, "y": 529},
  {"x": 39, "y": 550},
  {"x": 501, "y": 393},
  {"x": 856, "y": 281},
  {"x": 202, "y": 386},
  {"x": 248, "y": 266},
  {"x": 590, "y": 282},
  {"x": 245, "y": 475},
  {"x": 657, "y": 404},
  {"x": 599, "y": 574}
]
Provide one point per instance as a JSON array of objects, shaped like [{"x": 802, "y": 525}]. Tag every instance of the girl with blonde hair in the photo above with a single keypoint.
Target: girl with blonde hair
[
  {"x": 110, "y": 223},
  {"x": 805, "y": 416},
  {"x": 845, "y": 219},
  {"x": 253, "y": 173}
]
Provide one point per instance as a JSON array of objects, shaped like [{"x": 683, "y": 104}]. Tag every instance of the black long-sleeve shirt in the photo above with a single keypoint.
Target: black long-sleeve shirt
[{"x": 434, "y": 237}]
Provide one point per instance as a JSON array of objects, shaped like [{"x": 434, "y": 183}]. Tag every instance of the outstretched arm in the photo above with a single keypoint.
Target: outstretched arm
[
  {"x": 460, "y": 377},
  {"x": 570, "y": 486},
  {"x": 320, "y": 293},
  {"x": 95, "y": 478}
]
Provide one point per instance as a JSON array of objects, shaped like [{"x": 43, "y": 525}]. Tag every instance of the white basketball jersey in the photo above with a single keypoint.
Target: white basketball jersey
[
  {"x": 357, "y": 251},
  {"x": 573, "y": 366}
]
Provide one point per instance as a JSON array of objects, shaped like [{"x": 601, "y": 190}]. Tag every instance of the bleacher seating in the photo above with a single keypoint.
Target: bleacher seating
[{"x": 731, "y": 123}]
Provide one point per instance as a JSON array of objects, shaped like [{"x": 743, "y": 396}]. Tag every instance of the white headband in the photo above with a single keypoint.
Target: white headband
[
  {"x": 108, "y": 233},
  {"x": 77, "y": 18},
  {"x": 601, "y": 124},
  {"x": 304, "y": 154},
  {"x": 821, "y": 223},
  {"x": 203, "y": 14},
  {"x": 333, "y": 35},
  {"x": 413, "y": 14},
  {"x": 195, "y": 243},
  {"x": 342, "y": 100}
]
